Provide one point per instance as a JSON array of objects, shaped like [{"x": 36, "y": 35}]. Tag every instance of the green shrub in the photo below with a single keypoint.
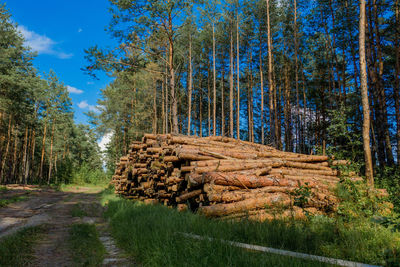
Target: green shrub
[
  {"x": 17, "y": 249},
  {"x": 86, "y": 175}
]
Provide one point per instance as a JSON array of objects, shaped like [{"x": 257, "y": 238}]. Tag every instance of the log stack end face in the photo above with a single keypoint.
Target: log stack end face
[{"x": 224, "y": 177}]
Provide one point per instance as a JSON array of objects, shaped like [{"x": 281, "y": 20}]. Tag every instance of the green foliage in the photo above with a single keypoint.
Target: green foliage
[
  {"x": 344, "y": 135},
  {"x": 357, "y": 201},
  {"x": 7, "y": 201},
  {"x": 77, "y": 211},
  {"x": 301, "y": 195},
  {"x": 17, "y": 249},
  {"x": 389, "y": 178},
  {"x": 85, "y": 245},
  {"x": 87, "y": 175}
]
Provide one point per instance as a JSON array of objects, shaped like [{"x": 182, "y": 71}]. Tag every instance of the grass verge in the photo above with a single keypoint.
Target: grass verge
[
  {"x": 88, "y": 188},
  {"x": 6, "y": 201},
  {"x": 17, "y": 249},
  {"x": 148, "y": 234},
  {"x": 77, "y": 211},
  {"x": 85, "y": 245}
]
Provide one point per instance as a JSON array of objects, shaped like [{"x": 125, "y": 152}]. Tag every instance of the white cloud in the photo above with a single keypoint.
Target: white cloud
[
  {"x": 80, "y": 30},
  {"x": 90, "y": 83},
  {"x": 84, "y": 105},
  {"x": 41, "y": 43},
  {"x": 105, "y": 140},
  {"x": 74, "y": 90}
]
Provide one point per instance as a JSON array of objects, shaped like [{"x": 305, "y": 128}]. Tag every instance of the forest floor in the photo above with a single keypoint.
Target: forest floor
[{"x": 58, "y": 212}]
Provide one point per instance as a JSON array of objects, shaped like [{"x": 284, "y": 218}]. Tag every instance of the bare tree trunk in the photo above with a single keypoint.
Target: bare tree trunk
[
  {"x": 201, "y": 107},
  {"x": 287, "y": 109},
  {"x": 190, "y": 86},
  {"x": 271, "y": 83},
  {"x": 51, "y": 153},
  {"x": 174, "y": 99},
  {"x": 155, "y": 107},
  {"x": 33, "y": 146},
  {"x": 222, "y": 103},
  {"x": 238, "y": 78},
  {"x": 24, "y": 157},
  {"x": 166, "y": 101},
  {"x": 43, "y": 150},
  {"x": 14, "y": 164},
  {"x": 296, "y": 78},
  {"x": 231, "y": 87},
  {"x": 364, "y": 96},
  {"x": 250, "y": 98},
  {"x": 163, "y": 106},
  {"x": 214, "y": 87},
  {"x": 397, "y": 80},
  {"x": 208, "y": 98},
  {"x": 4, "y": 157},
  {"x": 381, "y": 92},
  {"x": 262, "y": 95},
  {"x": 55, "y": 167}
]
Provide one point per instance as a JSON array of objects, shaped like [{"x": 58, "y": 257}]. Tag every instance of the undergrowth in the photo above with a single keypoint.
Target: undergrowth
[
  {"x": 85, "y": 245},
  {"x": 149, "y": 234},
  {"x": 6, "y": 201},
  {"x": 17, "y": 249}
]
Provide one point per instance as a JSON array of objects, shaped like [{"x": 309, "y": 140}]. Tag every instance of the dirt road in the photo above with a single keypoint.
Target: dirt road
[{"x": 54, "y": 209}]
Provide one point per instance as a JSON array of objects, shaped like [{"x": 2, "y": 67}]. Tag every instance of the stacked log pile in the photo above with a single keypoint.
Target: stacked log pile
[{"x": 224, "y": 177}]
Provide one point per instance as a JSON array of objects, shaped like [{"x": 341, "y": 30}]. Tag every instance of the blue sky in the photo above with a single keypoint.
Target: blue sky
[{"x": 59, "y": 31}]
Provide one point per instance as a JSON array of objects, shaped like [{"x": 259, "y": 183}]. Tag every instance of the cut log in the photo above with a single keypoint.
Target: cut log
[
  {"x": 245, "y": 205},
  {"x": 189, "y": 195}
]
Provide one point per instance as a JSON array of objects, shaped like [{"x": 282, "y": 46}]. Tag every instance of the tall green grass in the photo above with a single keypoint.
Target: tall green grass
[
  {"x": 6, "y": 201},
  {"x": 148, "y": 233},
  {"x": 17, "y": 249},
  {"x": 85, "y": 245}
]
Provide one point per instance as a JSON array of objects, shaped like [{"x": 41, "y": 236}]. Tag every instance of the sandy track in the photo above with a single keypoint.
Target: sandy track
[{"x": 53, "y": 209}]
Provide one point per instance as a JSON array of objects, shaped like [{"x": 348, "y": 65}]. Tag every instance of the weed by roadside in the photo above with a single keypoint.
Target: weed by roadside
[
  {"x": 85, "y": 245},
  {"x": 76, "y": 211},
  {"x": 17, "y": 249},
  {"x": 150, "y": 235},
  {"x": 7, "y": 201}
]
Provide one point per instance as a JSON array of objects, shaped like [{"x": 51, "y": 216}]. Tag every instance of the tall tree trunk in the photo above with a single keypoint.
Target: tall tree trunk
[
  {"x": 190, "y": 86},
  {"x": 262, "y": 95},
  {"x": 271, "y": 83},
  {"x": 250, "y": 98},
  {"x": 238, "y": 78},
  {"x": 24, "y": 157},
  {"x": 201, "y": 103},
  {"x": 222, "y": 103},
  {"x": 155, "y": 107},
  {"x": 5, "y": 155},
  {"x": 382, "y": 95},
  {"x": 166, "y": 100},
  {"x": 32, "y": 157},
  {"x": 397, "y": 80},
  {"x": 287, "y": 109},
  {"x": 14, "y": 164},
  {"x": 174, "y": 99},
  {"x": 364, "y": 96},
  {"x": 163, "y": 106},
  {"x": 208, "y": 98},
  {"x": 296, "y": 74},
  {"x": 51, "y": 152},
  {"x": 231, "y": 86},
  {"x": 214, "y": 88},
  {"x": 43, "y": 150}
]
